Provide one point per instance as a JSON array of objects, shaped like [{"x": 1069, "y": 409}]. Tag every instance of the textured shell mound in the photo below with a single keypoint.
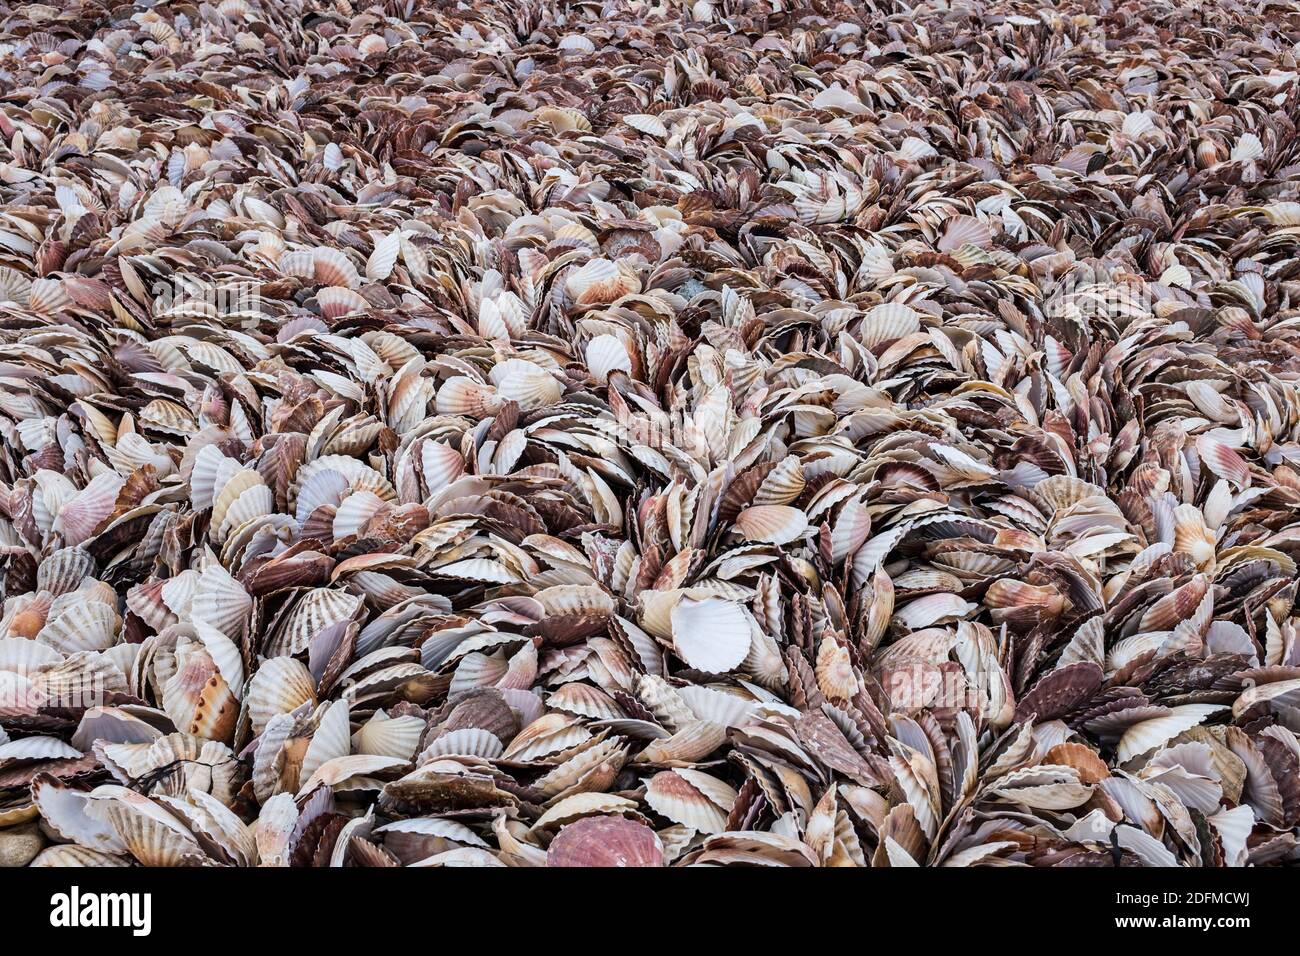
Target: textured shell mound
[{"x": 701, "y": 433}]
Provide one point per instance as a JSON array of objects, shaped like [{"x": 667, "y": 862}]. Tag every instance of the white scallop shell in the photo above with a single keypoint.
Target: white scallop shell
[{"x": 711, "y": 634}]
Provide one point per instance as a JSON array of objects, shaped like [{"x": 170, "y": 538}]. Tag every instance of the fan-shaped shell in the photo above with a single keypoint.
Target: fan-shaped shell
[
  {"x": 711, "y": 634},
  {"x": 280, "y": 685},
  {"x": 598, "y": 282},
  {"x": 605, "y": 842},
  {"x": 333, "y": 268},
  {"x": 772, "y": 524},
  {"x": 691, "y": 798},
  {"x": 336, "y": 301}
]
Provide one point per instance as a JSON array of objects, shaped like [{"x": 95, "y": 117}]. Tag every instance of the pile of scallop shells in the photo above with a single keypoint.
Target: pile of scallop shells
[{"x": 526, "y": 432}]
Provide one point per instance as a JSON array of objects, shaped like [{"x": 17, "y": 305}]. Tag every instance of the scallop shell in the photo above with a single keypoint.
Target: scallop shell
[
  {"x": 691, "y": 743},
  {"x": 851, "y": 529},
  {"x": 575, "y": 599},
  {"x": 331, "y": 744},
  {"x": 1059, "y": 492},
  {"x": 467, "y": 742},
  {"x": 68, "y": 854},
  {"x": 114, "y": 725},
  {"x": 605, "y": 842},
  {"x": 645, "y": 123},
  {"x": 64, "y": 570},
  {"x": 230, "y": 491},
  {"x": 252, "y": 503},
  {"x": 711, "y": 634},
  {"x": 464, "y": 396},
  {"x": 888, "y": 323},
  {"x": 359, "y": 477},
  {"x": 47, "y": 296},
  {"x": 335, "y": 302},
  {"x": 332, "y": 268},
  {"x": 478, "y": 670},
  {"x": 545, "y": 736},
  {"x": 836, "y": 677},
  {"x": 707, "y": 704},
  {"x": 389, "y": 736},
  {"x": 584, "y": 700},
  {"x": 594, "y": 767},
  {"x": 83, "y": 626},
  {"x": 339, "y": 770},
  {"x": 280, "y": 685},
  {"x": 574, "y": 235},
  {"x": 440, "y": 465},
  {"x": 1018, "y": 601},
  {"x": 419, "y": 838},
  {"x": 783, "y": 484},
  {"x": 373, "y": 45},
  {"x": 37, "y": 748},
  {"x": 606, "y": 354},
  {"x": 219, "y": 600},
  {"x": 298, "y": 263},
  {"x": 502, "y": 318},
  {"x": 599, "y": 282},
  {"x": 316, "y": 610},
  {"x": 1192, "y": 537},
  {"x": 1060, "y": 691},
  {"x": 1082, "y": 758},
  {"x": 168, "y": 416},
  {"x": 933, "y": 610},
  {"x": 78, "y": 518},
  {"x": 562, "y": 120},
  {"x": 197, "y": 698},
  {"x": 581, "y": 805},
  {"x": 485, "y": 709},
  {"x": 151, "y": 835},
  {"x": 1149, "y": 734},
  {"x": 772, "y": 524},
  {"x": 1247, "y": 148},
  {"x": 519, "y": 381},
  {"x": 65, "y": 812},
  {"x": 1170, "y": 610},
  {"x": 962, "y": 230},
  {"x": 27, "y": 614},
  {"x": 691, "y": 798},
  {"x": 355, "y": 513},
  {"x": 14, "y": 286}
]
